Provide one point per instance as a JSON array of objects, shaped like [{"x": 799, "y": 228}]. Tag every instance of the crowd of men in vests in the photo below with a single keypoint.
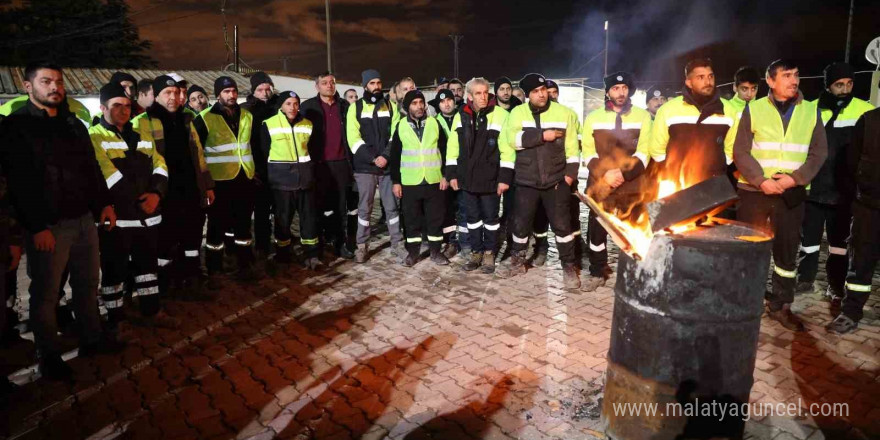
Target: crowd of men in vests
[{"x": 118, "y": 205}]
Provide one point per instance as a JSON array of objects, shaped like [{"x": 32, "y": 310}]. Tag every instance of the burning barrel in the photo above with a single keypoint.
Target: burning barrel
[{"x": 685, "y": 330}]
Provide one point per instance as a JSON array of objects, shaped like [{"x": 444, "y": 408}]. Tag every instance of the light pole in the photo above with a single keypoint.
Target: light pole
[
  {"x": 852, "y": 6},
  {"x": 606, "y": 48},
  {"x": 455, "y": 40},
  {"x": 327, "y": 18}
]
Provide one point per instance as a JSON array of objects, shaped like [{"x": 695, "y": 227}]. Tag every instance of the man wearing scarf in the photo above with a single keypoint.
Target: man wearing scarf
[
  {"x": 692, "y": 131},
  {"x": 832, "y": 190},
  {"x": 614, "y": 145}
]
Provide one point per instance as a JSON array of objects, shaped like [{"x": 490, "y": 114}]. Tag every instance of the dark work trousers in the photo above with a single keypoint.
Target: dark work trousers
[
  {"x": 455, "y": 229},
  {"x": 263, "y": 200},
  {"x": 597, "y": 238},
  {"x": 836, "y": 220},
  {"x": 337, "y": 202},
  {"x": 541, "y": 229},
  {"x": 507, "y": 207},
  {"x": 180, "y": 238},
  {"x": 482, "y": 219},
  {"x": 232, "y": 208},
  {"x": 771, "y": 213},
  {"x": 555, "y": 201},
  {"x": 76, "y": 243},
  {"x": 865, "y": 241},
  {"x": 288, "y": 203},
  {"x": 129, "y": 253},
  {"x": 423, "y": 206}
]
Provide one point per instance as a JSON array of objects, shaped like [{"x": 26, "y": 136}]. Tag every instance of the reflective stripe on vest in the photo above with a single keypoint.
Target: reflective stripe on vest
[
  {"x": 776, "y": 150},
  {"x": 225, "y": 154},
  {"x": 289, "y": 144},
  {"x": 419, "y": 160}
]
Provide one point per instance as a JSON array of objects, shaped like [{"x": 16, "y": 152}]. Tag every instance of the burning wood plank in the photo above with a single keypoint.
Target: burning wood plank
[{"x": 706, "y": 198}]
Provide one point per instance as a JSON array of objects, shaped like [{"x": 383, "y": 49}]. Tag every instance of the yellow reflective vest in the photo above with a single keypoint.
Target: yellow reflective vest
[
  {"x": 780, "y": 150},
  {"x": 225, "y": 153},
  {"x": 130, "y": 172},
  {"x": 289, "y": 165},
  {"x": 421, "y": 160}
]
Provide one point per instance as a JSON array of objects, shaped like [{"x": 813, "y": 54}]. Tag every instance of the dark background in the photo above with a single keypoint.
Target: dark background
[{"x": 651, "y": 38}]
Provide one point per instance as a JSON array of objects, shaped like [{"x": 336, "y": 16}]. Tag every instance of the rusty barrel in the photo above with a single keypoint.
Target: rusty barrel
[{"x": 685, "y": 329}]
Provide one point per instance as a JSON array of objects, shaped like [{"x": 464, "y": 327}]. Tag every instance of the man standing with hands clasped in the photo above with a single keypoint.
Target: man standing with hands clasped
[{"x": 780, "y": 146}]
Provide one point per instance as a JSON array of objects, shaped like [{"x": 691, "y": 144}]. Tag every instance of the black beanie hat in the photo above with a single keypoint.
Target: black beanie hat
[
  {"x": 222, "y": 83},
  {"x": 656, "y": 92},
  {"x": 162, "y": 82},
  {"x": 260, "y": 78},
  {"x": 194, "y": 88},
  {"x": 620, "y": 78},
  {"x": 552, "y": 84},
  {"x": 410, "y": 97},
  {"x": 531, "y": 82},
  {"x": 284, "y": 96},
  {"x": 444, "y": 94},
  {"x": 118, "y": 77},
  {"x": 112, "y": 90},
  {"x": 836, "y": 71},
  {"x": 500, "y": 81}
]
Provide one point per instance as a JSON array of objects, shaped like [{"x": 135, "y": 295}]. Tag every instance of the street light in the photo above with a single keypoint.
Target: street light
[{"x": 606, "y": 48}]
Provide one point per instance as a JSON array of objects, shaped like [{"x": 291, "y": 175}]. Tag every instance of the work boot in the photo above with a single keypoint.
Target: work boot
[
  {"x": 592, "y": 283},
  {"x": 786, "y": 319},
  {"x": 399, "y": 251},
  {"x": 214, "y": 262},
  {"x": 540, "y": 258},
  {"x": 805, "y": 287},
  {"x": 52, "y": 367},
  {"x": 488, "y": 262},
  {"x": 474, "y": 262},
  {"x": 313, "y": 263},
  {"x": 833, "y": 296},
  {"x": 842, "y": 324},
  {"x": 570, "y": 276},
  {"x": 360, "y": 254},
  {"x": 342, "y": 251},
  {"x": 412, "y": 258},
  {"x": 515, "y": 266},
  {"x": 438, "y": 258},
  {"x": 450, "y": 250}
]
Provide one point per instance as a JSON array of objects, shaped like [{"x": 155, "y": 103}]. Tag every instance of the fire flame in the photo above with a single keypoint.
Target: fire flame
[{"x": 637, "y": 232}]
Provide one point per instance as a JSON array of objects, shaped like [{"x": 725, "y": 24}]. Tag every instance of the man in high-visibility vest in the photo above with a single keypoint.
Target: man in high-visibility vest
[
  {"x": 745, "y": 88},
  {"x": 614, "y": 143},
  {"x": 540, "y": 147},
  {"x": 691, "y": 132},
  {"x": 832, "y": 190},
  {"x": 780, "y": 146},
  {"x": 197, "y": 99},
  {"x": 472, "y": 165},
  {"x": 455, "y": 230},
  {"x": 285, "y": 137},
  {"x": 655, "y": 97},
  {"x": 225, "y": 131},
  {"x": 418, "y": 148},
  {"x": 190, "y": 190},
  {"x": 368, "y": 130},
  {"x": 137, "y": 177},
  {"x": 863, "y": 163}
]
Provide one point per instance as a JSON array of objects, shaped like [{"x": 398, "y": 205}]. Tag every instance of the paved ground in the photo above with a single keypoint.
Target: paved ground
[{"x": 382, "y": 351}]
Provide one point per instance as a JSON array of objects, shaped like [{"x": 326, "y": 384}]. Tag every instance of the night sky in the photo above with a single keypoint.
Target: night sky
[{"x": 651, "y": 38}]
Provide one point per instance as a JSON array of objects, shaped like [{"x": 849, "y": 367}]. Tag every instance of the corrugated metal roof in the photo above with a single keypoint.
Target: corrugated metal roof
[{"x": 85, "y": 82}]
